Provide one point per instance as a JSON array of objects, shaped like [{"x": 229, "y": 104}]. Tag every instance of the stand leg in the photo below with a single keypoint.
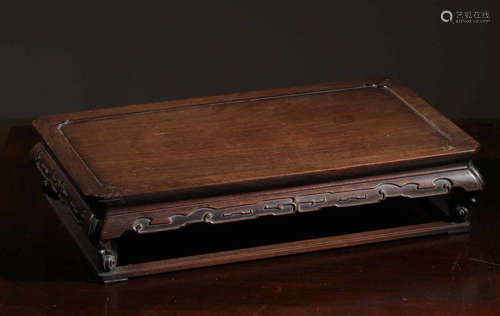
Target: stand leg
[
  {"x": 457, "y": 206},
  {"x": 109, "y": 255},
  {"x": 461, "y": 205}
]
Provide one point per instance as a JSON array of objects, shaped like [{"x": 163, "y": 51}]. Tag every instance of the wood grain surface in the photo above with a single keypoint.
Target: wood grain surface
[{"x": 253, "y": 140}]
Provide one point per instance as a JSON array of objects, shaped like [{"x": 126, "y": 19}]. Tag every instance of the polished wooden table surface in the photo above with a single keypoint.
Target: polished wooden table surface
[{"x": 43, "y": 273}]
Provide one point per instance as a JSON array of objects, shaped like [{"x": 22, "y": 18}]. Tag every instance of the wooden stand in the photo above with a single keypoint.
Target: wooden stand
[{"x": 101, "y": 190}]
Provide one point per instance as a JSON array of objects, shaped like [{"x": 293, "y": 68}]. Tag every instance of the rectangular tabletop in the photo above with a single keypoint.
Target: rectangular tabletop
[{"x": 258, "y": 138}]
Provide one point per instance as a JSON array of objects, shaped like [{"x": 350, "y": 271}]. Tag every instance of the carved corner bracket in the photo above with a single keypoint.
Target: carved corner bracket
[{"x": 56, "y": 186}]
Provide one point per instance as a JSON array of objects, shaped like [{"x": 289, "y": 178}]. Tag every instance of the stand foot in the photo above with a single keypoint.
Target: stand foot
[
  {"x": 461, "y": 205},
  {"x": 109, "y": 255}
]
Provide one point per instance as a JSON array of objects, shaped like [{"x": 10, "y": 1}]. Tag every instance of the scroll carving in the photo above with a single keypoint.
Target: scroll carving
[
  {"x": 299, "y": 203},
  {"x": 55, "y": 187},
  {"x": 215, "y": 216}
]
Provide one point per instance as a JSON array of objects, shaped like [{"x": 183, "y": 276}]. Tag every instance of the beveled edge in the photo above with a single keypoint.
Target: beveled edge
[
  {"x": 457, "y": 137},
  {"x": 51, "y": 129}
]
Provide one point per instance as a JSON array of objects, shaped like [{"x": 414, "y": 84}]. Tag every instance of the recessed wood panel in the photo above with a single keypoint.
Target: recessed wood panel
[{"x": 236, "y": 140}]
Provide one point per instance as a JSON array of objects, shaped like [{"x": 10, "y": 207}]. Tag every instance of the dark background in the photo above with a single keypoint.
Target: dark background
[{"x": 64, "y": 57}]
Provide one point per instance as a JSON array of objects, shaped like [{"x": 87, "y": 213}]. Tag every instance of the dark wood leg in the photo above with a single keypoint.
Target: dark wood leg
[
  {"x": 109, "y": 259},
  {"x": 109, "y": 255},
  {"x": 103, "y": 258},
  {"x": 461, "y": 205},
  {"x": 74, "y": 213},
  {"x": 458, "y": 205}
]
